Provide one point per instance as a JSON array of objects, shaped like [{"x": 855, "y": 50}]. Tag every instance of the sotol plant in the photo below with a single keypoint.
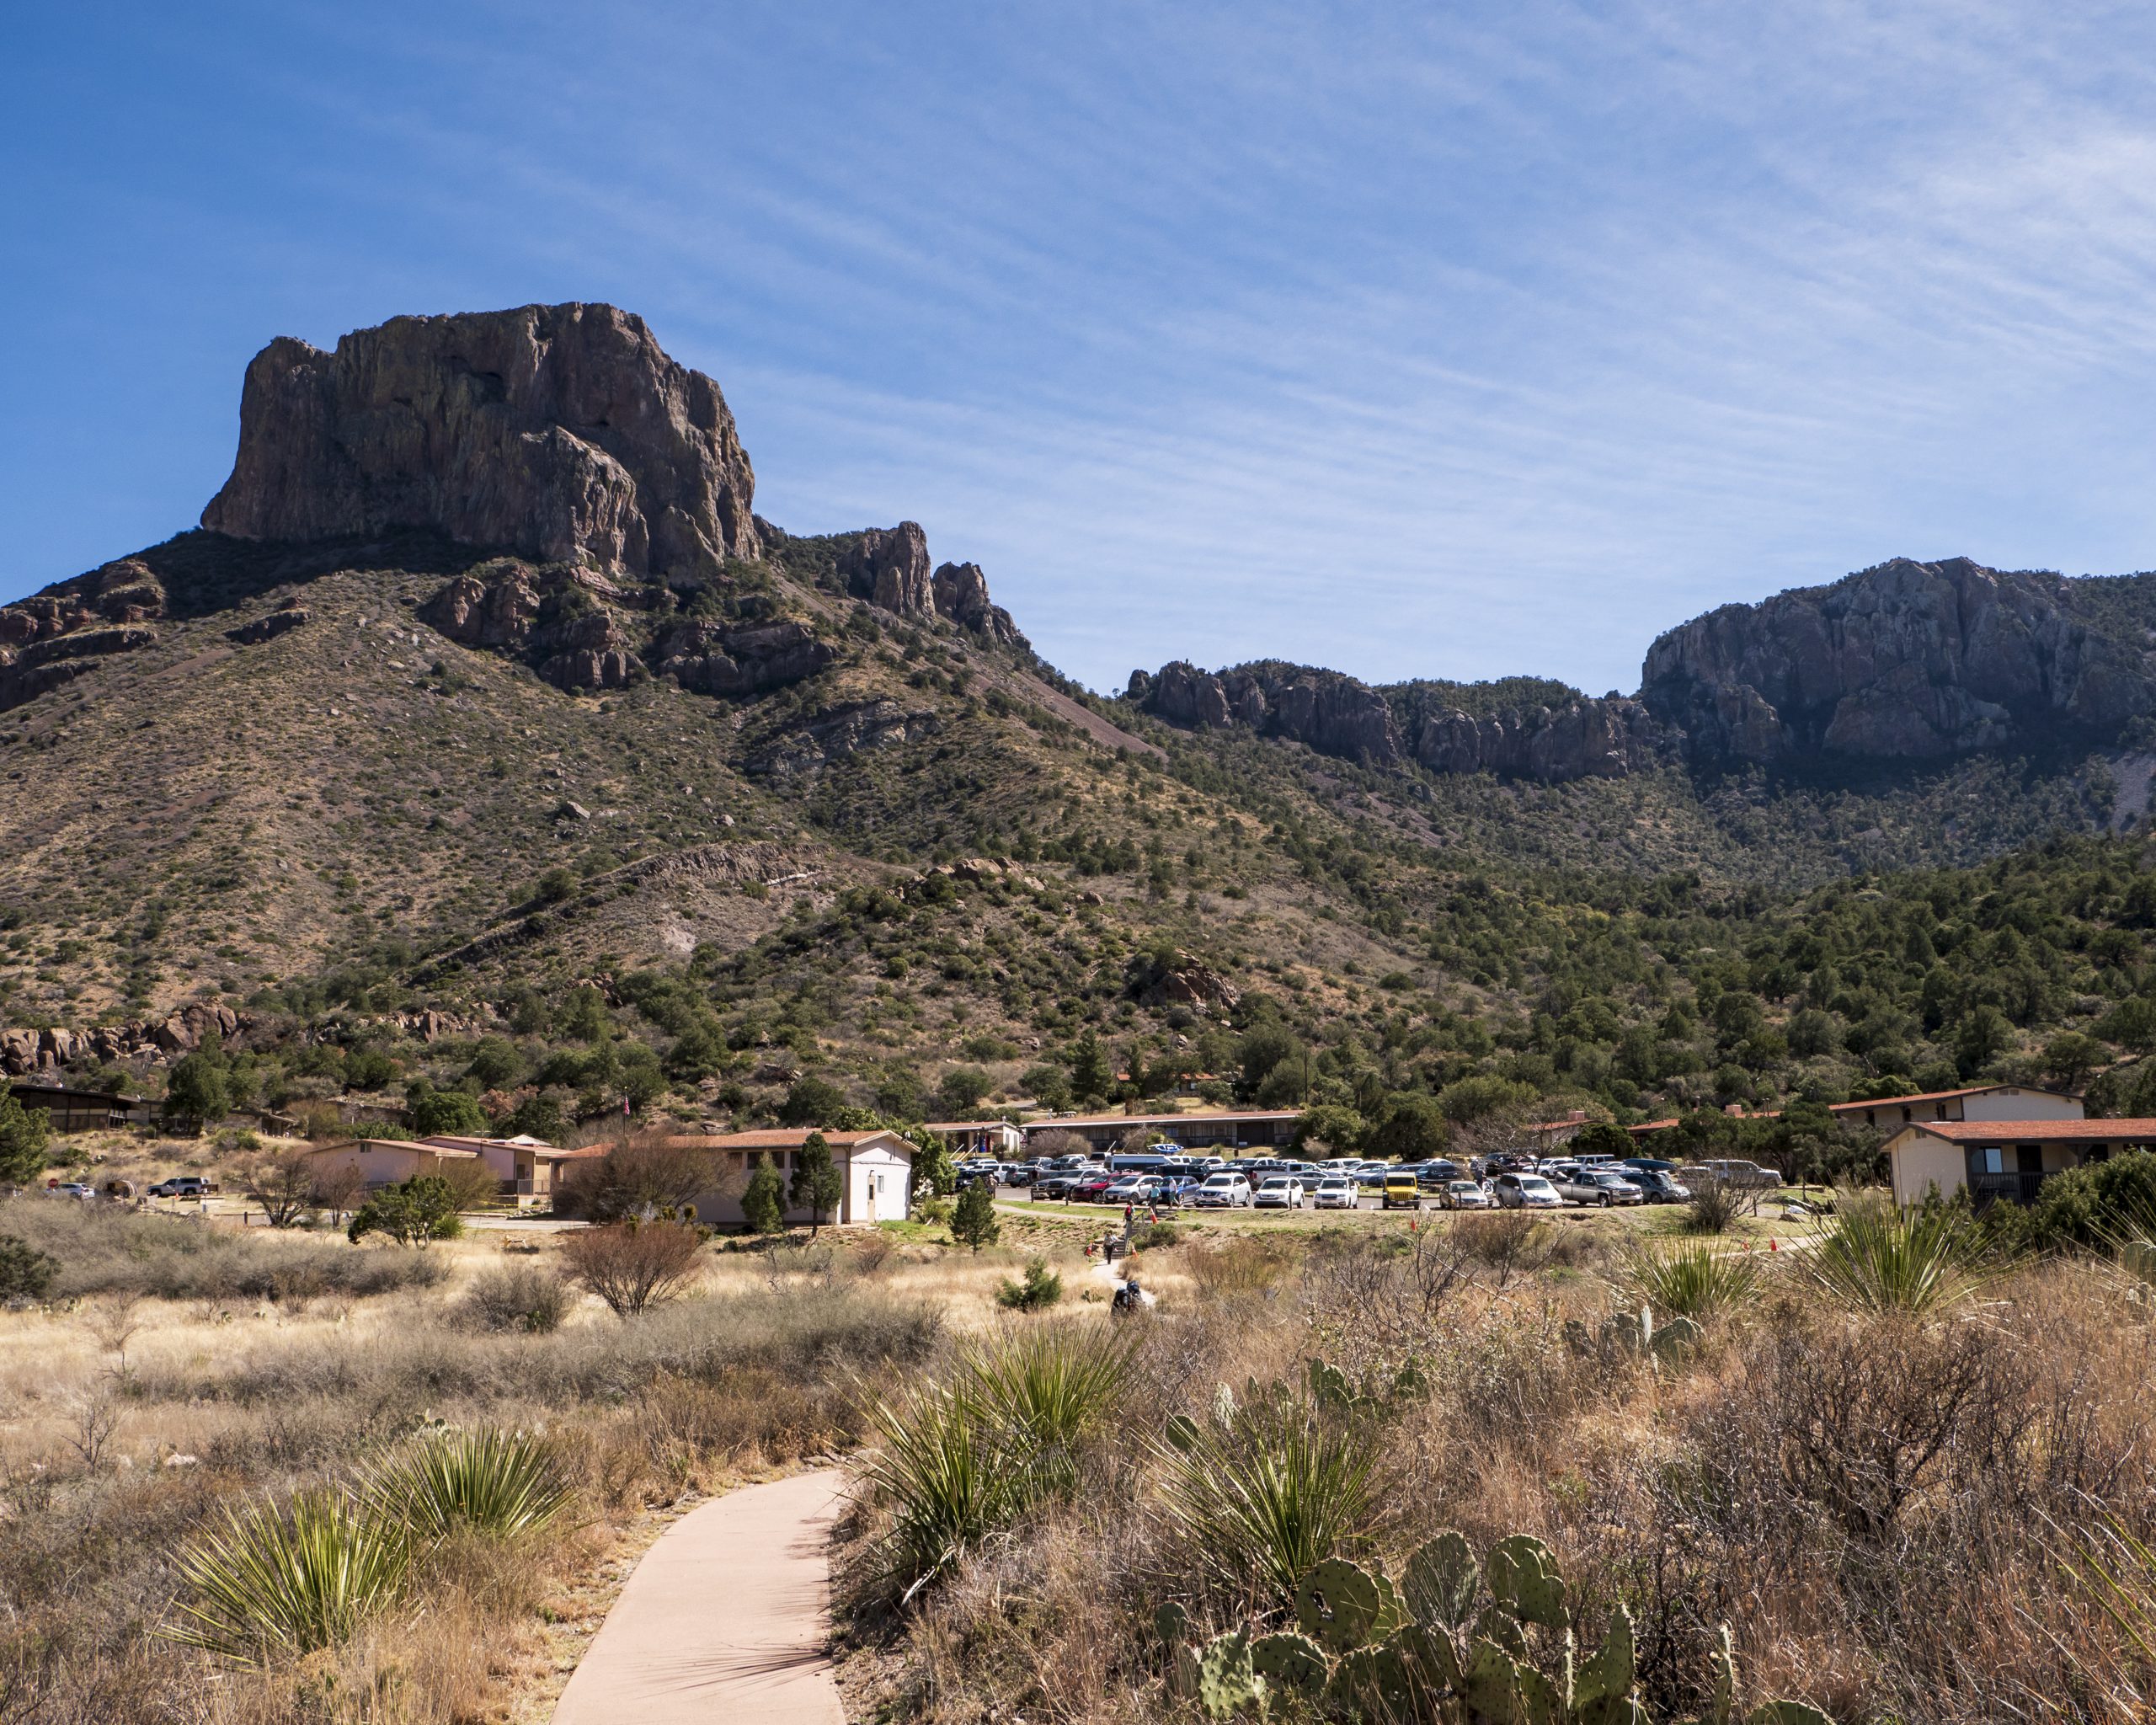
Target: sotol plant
[{"x": 1367, "y": 1649}]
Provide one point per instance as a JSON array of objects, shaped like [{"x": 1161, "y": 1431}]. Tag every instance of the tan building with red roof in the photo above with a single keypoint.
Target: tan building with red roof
[
  {"x": 2008, "y": 1159},
  {"x": 875, "y": 1173}
]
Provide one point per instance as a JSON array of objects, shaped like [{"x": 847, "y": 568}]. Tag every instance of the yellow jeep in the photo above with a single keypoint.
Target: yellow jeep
[{"x": 1402, "y": 1191}]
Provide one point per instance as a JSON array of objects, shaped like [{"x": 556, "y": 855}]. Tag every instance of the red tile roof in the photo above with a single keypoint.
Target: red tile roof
[
  {"x": 790, "y": 1138},
  {"x": 1056, "y": 1123}
]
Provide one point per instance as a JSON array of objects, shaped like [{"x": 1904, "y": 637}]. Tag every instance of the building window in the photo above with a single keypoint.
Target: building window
[{"x": 1986, "y": 1159}]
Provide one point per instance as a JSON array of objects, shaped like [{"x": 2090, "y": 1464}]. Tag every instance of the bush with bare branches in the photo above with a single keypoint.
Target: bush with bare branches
[{"x": 633, "y": 1265}]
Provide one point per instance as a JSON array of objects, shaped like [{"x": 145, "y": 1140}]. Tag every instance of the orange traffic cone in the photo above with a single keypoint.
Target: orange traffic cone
[{"x": 1772, "y": 1244}]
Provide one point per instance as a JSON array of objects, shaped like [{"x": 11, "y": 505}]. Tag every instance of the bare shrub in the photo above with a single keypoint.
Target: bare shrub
[
  {"x": 1250, "y": 1264},
  {"x": 1714, "y": 1207},
  {"x": 283, "y": 1182},
  {"x": 472, "y": 1184},
  {"x": 633, "y": 1266},
  {"x": 518, "y": 1297},
  {"x": 642, "y": 1176},
  {"x": 1510, "y": 1244}
]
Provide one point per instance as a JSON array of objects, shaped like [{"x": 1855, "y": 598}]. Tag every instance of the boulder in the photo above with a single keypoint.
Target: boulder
[{"x": 563, "y": 433}]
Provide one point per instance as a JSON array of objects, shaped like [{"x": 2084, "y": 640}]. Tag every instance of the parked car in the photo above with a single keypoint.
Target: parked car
[
  {"x": 1658, "y": 1186},
  {"x": 1515, "y": 1191},
  {"x": 1374, "y": 1178},
  {"x": 1278, "y": 1192},
  {"x": 1222, "y": 1192},
  {"x": 1093, "y": 1188},
  {"x": 1608, "y": 1188},
  {"x": 1402, "y": 1191},
  {"x": 1336, "y": 1192},
  {"x": 75, "y": 1188},
  {"x": 1437, "y": 1173},
  {"x": 1749, "y": 1175},
  {"x": 1464, "y": 1195},
  {"x": 1648, "y": 1165},
  {"x": 1019, "y": 1173},
  {"x": 1132, "y": 1188},
  {"x": 184, "y": 1186}
]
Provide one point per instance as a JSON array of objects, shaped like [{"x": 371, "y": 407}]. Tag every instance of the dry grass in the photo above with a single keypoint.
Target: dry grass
[
  {"x": 1888, "y": 1512},
  {"x": 108, "y": 1468}
]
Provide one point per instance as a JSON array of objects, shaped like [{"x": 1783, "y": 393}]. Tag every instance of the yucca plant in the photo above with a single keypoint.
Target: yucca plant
[
  {"x": 1045, "y": 1391},
  {"x": 1695, "y": 1280},
  {"x": 1879, "y": 1258},
  {"x": 272, "y": 1583},
  {"x": 502, "y": 1484},
  {"x": 1266, "y": 1491},
  {"x": 947, "y": 1480},
  {"x": 2118, "y": 1572}
]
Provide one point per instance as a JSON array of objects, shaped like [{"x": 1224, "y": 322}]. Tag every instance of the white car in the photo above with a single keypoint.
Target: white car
[
  {"x": 1335, "y": 1192},
  {"x": 1525, "y": 1192},
  {"x": 1222, "y": 1192},
  {"x": 1749, "y": 1175},
  {"x": 1464, "y": 1195},
  {"x": 1279, "y": 1192}
]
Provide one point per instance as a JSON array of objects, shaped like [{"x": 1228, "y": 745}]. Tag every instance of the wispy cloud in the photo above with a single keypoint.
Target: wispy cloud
[{"x": 1459, "y": 342}]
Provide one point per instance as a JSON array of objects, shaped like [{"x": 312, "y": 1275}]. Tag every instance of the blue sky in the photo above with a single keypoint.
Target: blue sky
[{"x": 1415, "y": 341}]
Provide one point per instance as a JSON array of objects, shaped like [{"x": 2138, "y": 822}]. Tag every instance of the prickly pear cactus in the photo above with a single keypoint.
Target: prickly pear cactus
[
  {"x": 1522, "y": 1577},
  {"x": 1500, "y": 1628},
  {"x": 1676, "y": 1338},
  {"x": 1181, "y": 1433},
  {"x": 1172, "y": 1623},
  {"x": 1430, "y": 1658},
  {"x": 1441, "y": 1581},
  {"x": 1490, "y": 1686},
  {"x": 1786, "y": 1713},
  {"x": 1338, "y": 1604},
  {"x": 1370, "y": 1683},
  {"x": 1293, "y": 1663},
  {"x": 1602, "y": 1695},
  {"x": 1227, "y": 1683},
  {"x": 1392, "y": 1609},
  {"x": 1724, "y": 1661},
  {"x": 1329, "y": 1385}
]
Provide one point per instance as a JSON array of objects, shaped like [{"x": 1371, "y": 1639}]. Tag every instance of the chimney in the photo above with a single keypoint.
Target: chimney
[{"x": 1735, "y": 1110}]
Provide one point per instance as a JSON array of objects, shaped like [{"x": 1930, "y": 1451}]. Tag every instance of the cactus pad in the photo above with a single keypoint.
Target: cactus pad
[
  {"x": 1787, "y": 1713},
  {"x": 1441, "y": 1581},
  {"x": 1337, "y": 1603},
  {"x": 1172, "y": 1623},
  {"x": 1676, "y": 1338},
  {"x": 1227, "y": 1685},
  {"x": 1522, "y": 1576},
  {"x": 1181, "y": 1433},
  {"x": 1605, "y": 1687},
  {"x": 1290, "y": 1662}
]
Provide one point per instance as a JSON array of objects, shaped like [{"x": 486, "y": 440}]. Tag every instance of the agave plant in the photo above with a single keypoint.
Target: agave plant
[
  {"x": 270, "y": 1583},
  {"x": 1696, "y": 1280},
  {"x": 1882, "y": 1259},
  {"x": 503, "y": 1484}
]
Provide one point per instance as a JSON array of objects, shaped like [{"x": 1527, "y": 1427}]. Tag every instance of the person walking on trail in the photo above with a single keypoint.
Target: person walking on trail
[{"x": 1129, "y": 1211}]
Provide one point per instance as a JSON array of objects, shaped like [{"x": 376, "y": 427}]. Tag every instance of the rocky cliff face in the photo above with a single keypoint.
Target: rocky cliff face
[
  {"x": 561, "y": 432},
  {"x": 1904, "y": 661},
  {"x": 1333, "y": 713},
  {"x": 1336, "y": 715}
]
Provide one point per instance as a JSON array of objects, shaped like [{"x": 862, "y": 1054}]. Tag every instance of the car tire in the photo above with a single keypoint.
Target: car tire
[{"x": 1605, "y": 1200}]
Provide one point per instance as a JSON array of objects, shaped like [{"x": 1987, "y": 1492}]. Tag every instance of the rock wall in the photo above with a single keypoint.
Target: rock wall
[
  {"x": 1904, "y": 661},
  {"x": 56, "y": 636},
  {"x": 1333, "y": 713},
  {"x": 562, "y": 432}
]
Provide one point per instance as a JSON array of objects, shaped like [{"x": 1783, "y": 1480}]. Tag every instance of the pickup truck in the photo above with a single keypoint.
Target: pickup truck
[{"x": 184, "y": 1186}]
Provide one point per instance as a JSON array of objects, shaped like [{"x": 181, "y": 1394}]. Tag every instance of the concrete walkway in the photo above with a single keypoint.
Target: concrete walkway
[{"x": 724, "y": 1619}]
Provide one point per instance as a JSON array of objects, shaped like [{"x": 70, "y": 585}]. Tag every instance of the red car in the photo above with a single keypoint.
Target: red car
[{"x": 1091, "y": 1191}]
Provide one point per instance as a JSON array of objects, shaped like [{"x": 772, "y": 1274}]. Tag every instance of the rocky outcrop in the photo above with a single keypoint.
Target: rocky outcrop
[
  {"x": 28, "y": 672},
  {"x": 1582, "y": 739},
  {"x": 563, "y": 433},
  {"x": 182, "y": 1032},
  {"x": 1331, "y": 713},
  {"x": 268, "y": 628},
  {"x": 888, "y": 568},
  {"x": 832, "y": 735},
  {"x": 740, "y": 659},
  {"x": 56, "y": 636},
  {"x": 1905, "y": 660},
  {"x": 580, "y": 631},
  {"x": 961, "y": 595}
]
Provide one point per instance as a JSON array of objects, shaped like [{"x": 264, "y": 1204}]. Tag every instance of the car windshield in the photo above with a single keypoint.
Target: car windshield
[
  {"x": 1535, "y": 1183},
  {"x": 1223, "y": 1179}
]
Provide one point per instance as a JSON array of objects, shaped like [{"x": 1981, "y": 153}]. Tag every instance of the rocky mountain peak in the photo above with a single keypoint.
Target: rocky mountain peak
[
  {"x": 563, "y": 433},
  {"x": 1903, "y": 661}
]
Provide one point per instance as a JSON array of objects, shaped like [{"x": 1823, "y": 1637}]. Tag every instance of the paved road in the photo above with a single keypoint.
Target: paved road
[{"x": 723, "y": 1621}]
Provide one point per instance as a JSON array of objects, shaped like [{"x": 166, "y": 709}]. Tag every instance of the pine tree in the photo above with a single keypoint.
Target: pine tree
[
  {"x": 1089, "y": 1077},
  {"x": 816, "y": 1186},
  {"x": 763, "y": 1199},
  {"x": 973, "y": 1223},
  {"x": 24, "y": 1136}
]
